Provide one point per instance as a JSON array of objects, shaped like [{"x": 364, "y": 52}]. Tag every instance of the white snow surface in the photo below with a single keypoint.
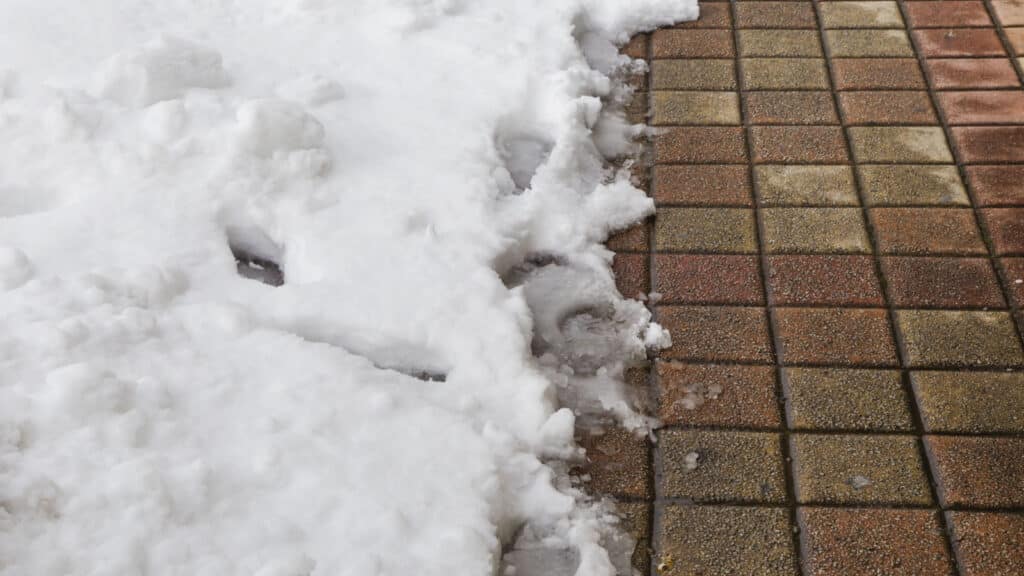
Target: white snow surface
[{"x": 404, "y": 162}]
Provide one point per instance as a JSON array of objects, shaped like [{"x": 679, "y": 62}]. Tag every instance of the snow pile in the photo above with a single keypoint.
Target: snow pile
[{"x": 421, "y": 184}]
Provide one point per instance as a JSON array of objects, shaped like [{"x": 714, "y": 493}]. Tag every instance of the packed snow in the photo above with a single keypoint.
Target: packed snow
[{"x": 299, "y": 287}]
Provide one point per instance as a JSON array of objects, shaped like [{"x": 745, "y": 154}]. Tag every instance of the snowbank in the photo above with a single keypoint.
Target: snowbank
[{"x": 428, "y": 176}]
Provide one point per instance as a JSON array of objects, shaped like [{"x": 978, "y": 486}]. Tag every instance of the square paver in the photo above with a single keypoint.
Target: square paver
[
  {"x": 782, "y": 185},
  {"x": 900, "y": 144},
  {"x": 970, "y": 402},
  {"x": 724, "y": 541},
  {"x": 632, "y": 276},
  {"x": 729, "y": 395},
  {"x": 953, "y": 73},
  {"x": 636, "y": 47},
  {"x": 815, "y": 231},
  {"x": 804, "y": 43},
  {"x": 1006, "y": 228},
  {"x": 775, "y": 15},
  {"x": 1009, "y": 12},
  {"x": 868, "y": 43},
  {"x": 947, "y": 14},
  {"x": 692, "y": 44},
  {"x": 927, "y": 231},
  {"x": 956, "y": 338},
  {"x": 845, "y": 399},
  {"x": 712, "y": 15},
  {"x": 717, "y": 230},
  {"x": 636, "y": 108},
  {"x": 798, "y": 144},
  {"x": 988, "y": 543},
  {"x": 880, "y": 107},
  {"x": 988, "y": 144},
  {"x": 905, "y": 184},
  {"x": 859, "y": 469},
  {"x": 714, "y": 144},
  {"x": 977, "y": 472},
  {"x": 696, "y": 74},
  {"x": 929, "y": 282},
  {"x": 790, "y": 107},
  {"x": 997, "y": 185},
  {"x": 721, "y": 466},
  {"x": 716, "y": 333},
  {"x": 633, "y": 239},
  {"x": 784, "y": 73},
  {"x": 825, "y": 280},
  {"x": 695, "y": 108},
  {"x": 1013, "y": 279},
  {"x": 708, "y": 279},
  {"x": 860, "y": 15},
  {"x": 953, "y": 42},
  {"x": 842, "y": 542},
  {"x": 877, "y": 73},
  {"x": 834, "y": 336},
  {"x": 702, "y": 185},
  {"x": 618, "y": 463},
  {"x": 983, "y": 107}
]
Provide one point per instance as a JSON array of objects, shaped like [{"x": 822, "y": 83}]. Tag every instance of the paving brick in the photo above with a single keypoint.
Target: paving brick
[
  {"x": 887, "y": 107},
  {"x": 899, "y": 144},
  {"x": 843, "y": 399},
  {"x": 1013, "y": 279},
  {"x": 1006, "y": 228},
  {"x": 877, "y": 73},
  {"x": 874, "y": 541},
  {"x": 858, "y": 469},
  {"x": 983, "y": 107},
  {"x": 636, "y": 521},
  {"x": 775, "y": 15},
  {"x": 716, "y": 333},
  {"x": 780, "y": 43},
  {"x": 702, "y": 74},
  {"x": 718, "y": 230},
  {"x": 922, "y": 231},
  {"x": 722, "y": 144},
  {"x": 860, "y": 15},
  {"x": 636, "y": 47},
  {"x": 618, "y": 463},
  {"x": 970, "y": 402},
  {"x": 984, "y": 144},
  {"x": 798, "y": 144},
  {"x": 631, "y": 274},
  {"x": 784, "y": 73},
  {"x": 731, "y": 466},
  {"x": 952, "y": 42},
  {"x": 712, "y": 15},
  {"x": 632, "y": 239},
  {"x": 867, "y": 43},
  {"x": 725, "y": 541},
  {"x": 815, "y": 231},
  {"x": 997, "y": 185},
  {"x": 695, "y": 108},
  {"x": 912, "y": 185},
  {"x": 692, "y": 44},
  {"x": 794, "y": 107},
  {"x": 976, "y": 472},
  {"x": 988, "y": 543},
  {"x": 780, "y": 185},
  {"x": 717, "y": 395},
  {"x": 823, "y": 280},
  {"x": 702, "y": 184},
  {"x": 708, "y": 279},
  {"x": 947, "y": 14},
  {"x": 1016, "y": 38},
  {"x": 958, "y": 338},
  {"x": 941, "y": 283},
  {"x": 951, "y": 73},
  {"x": 636, "y": 109},
  {"x": 1009, "y": 12},
  {"x": 834, "y": 336}
]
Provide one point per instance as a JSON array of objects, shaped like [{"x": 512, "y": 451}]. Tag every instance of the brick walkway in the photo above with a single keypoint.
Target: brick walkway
[{"x": 844, "y": 288}]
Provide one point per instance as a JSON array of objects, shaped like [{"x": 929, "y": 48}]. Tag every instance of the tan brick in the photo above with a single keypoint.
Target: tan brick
[
  {"x": 719, "y": 230},
  {"x": 721, "y": 466},
  {"x": 958, "y": 338},
  {"x": 860, "y": 15},
  {"x": 806, "y": 185},
  {"x": 900, "y": 144},
  {"x": 804, "y": 43},
  {"x": 815, "y": 230},
  {"x": 868, "y": 43},
  {"x": 846, "y": 399},
  {"x": 784, "y": 73},
  {"x": 970, "y": 402},
  {"x": 702, "y": 74},
  {"x": 913, "y": 185},
  {"x": 695, "y": 108}
]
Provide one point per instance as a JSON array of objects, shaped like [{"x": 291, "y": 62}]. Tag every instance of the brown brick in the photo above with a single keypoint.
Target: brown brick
[
  {"x": 631, "y": 274},
  {"x": 794, "y": 107},
  {"x": 775, "y": 15},
  {"x": 700, "y": 74},
  {"x": 815, "y": 231},
  {"x": 900, "y": 144},
  {"x": 1006, "y": 228},
  {"x": 1016, "y": 38},
  {"x": 618, "y": 463},
  {"x": 988, "y": 543},
  {"x": 1009, "y": 12},
  {"x": 978, "y": 472},
  {"x": 983, "y": 107},
  {"x": 887, "y": 107},
  {"x": 947, "y": 14},
  {"x": 798, "y": 144},
  {"x": 843, "y": 399},
  {"x": 636, "y": 47},
  {"x": 982, "y": 144},
  {"x": 948, "y": 73},
  {"x": 970, "y": 402},
  {"x": 941, "y": 283},
  {"x": 731, "y": 466},
  {"x": 858, "y": 469},
  {"x": 843, "y": 542},
  {"x": 952, "y": 42},
  {"x": 783, "y": 74},
  {"x": 717, "y": 230},
  {"x": 785, "y": 185},
  {"x": 958, "y": 338},
  {"x": 997, "y": 185},
  {"x": 695, "y": 108},
  {"x": 834, "y": 336},
  {"x": 701, "y": 144},
  {"x": 868, "y": 43},
  {"x": 823, "y": 280},
  {"x": 912, "y": 185},
  {"x": 716, "y": 333},
  {"x": 692, "y": 44},
  {"x": 636, "y": 521},
  {"x": 1013, "y": 279},
  {"x": 712, "y": 15},
  {"x": 770, "y": 43},
  {"x": 870, "y": 14},
  {"x": 708, "y": 279},
  {"x": 920, "y": 231},
  {"x": 702, "y": 185},
  {"x": 717, "y": 395},
  {"x": 632, "y": 239},
  {"x": 877, "y": 73}
]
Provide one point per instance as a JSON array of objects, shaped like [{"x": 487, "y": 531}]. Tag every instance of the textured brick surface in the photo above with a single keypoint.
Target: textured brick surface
[
  {"x": 983, "y": 107},
  {"x": 730, "y": 467},
  {"x": 871, "y": 14},
  {"x": 948, "y": 338},
  {"x": 712, "y": 15},
  {"x": 708, "y": 279},
  {"x": 693, "y": 74},
  {"x": 899, "y": 144},
  {"x": 720, "y": 230},
  {"x": 823, "y": 280},
  {"x": 970, "y": 402},
  {"x": 790, "y": 107},
  {"x": 815, "y": 230},
  {"x": 783, "y": 73},
  {"x": 618, "y": 463},
  {"x": 775, "y": 15},
  {"x": 703, "y": 184},
  {"x": 877, "y": 73},
  {"x": 717, "y": 395},
  {"x": 988, "y": 543},
  {"x": 1013, "y": 279},
  {"x": 997, "y": 185},
  {"x": 845, "y": 399},
  {"x": 1006, "y": 227},
  {"x": 716, "y": 333},
  {"x": 798, "y": 144},
  {"x": 952, "y": 42},
  {"x": 922, "y": 231},
  {"x": 927, "y": 282},
  {"x": 1009, "y": 12},
  {"x": 636, "y": 521},
  {"x": 634, "y": 238},
  {"x": 978, "y": 472},
  {"x": 947, "y": 14},
  {"x": 631, "y": 274},
  {"x": 806, "y": 185},
  {"x": 950, "y": 73},
  {"x": 695, "y": 108},
  {"x": 912, "y": 185},
  {"x": 887, "y": 107},
  {"x": 868, "y": 43},
  {"x": 692, "y": 44},
  {"x": 834, "y": 336},
  {"x": 804, "y": 43},
  {"x": 980, "y": 144},
  {"x": 719, "y": 144}
]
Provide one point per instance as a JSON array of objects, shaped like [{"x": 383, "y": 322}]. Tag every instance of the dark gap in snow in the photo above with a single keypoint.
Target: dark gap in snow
[
  {"x": 256, "y": 255},
  {"x": 255, "y": 268},
  {"x": 425, "y": 375},
  {"x": 520, "y": 273}
]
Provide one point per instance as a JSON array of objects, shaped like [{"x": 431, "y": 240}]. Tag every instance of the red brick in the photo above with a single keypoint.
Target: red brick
[
  {"x": 631, "y": 275},
  {"x": 988, "y": 543},
  {"x": 944, "y": 14},
  {"x": 716, "y": 333},
  {"x": 1016, "y": 38},
  {"x": 942, "y": 283},
  {"x": 775, "y": 15},
  {"x": 637, "y": 47},
  {"x": 1006, "y": 228},
  {"x": 633, "y": 239},
  {"x": 712, "y": 15},
  {"x": 717, "y": 395},
  {"x": 702, "y": 185},
  {"x": 983, "y": 107},
  {"x": 834, "y": 336},
  {"x": 824, "y": 280},
  {"x": 975, "y": 472},
  {"x": 1013, "y": 279},
  {"x": 997, "y": 185},
  {"x": 945, "y": 42},
  {"x": 704, "y": 279},
  {"x": 1009, "y": 12},
  {"x": 919, "y": 231},
  {"x": 701, "y": 144},
  {"x": 887, "y": 107},
  {"x": 692, "y": 44},
  {"x": 972, "y": 72},
  {"x": 877, "y": 73},
  {"x": 981, "y": 144},
  {"x": 798, "y": 144}
]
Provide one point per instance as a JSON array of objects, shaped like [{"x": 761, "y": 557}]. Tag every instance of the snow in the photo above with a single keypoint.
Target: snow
[{"x": 426, "y": 179}]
